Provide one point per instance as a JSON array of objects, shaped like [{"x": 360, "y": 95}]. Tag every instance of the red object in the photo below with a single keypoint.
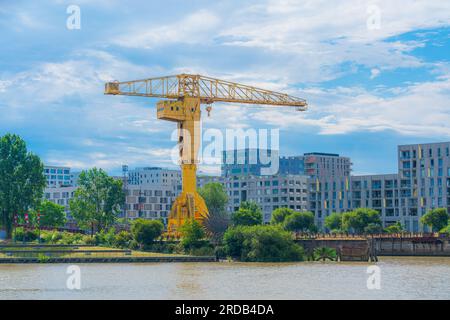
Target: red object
[{"x": 26, "y": 218}]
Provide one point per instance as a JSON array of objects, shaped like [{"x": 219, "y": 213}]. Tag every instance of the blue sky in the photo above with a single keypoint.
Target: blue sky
[{"x": 369, "y": 89}]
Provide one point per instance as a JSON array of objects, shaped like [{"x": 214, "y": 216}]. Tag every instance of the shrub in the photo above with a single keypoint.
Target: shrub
[
  {"x": 88, "y": 240},
  {"x": 203, "y": 251},
  {"x": 262, "y": 244},
  {"x": 28, "y": 235},
  {"x": 146, "y": 231},
  {"x": 192, "y": 235},
  {"x": 300, "y": 221},
  {"x": 436, "y": 219},
  {"x": 123, "y": 239},
  {"x": 359, "y": 219},
  {"x": 324, "y": 253},
  {"x": 280, "y": 214}
]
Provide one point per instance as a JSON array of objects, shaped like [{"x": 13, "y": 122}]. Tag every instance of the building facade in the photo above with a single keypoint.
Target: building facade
[
  {"x": 422, "y": 183},
  {"x": 58, "y": 176},
  {"x": 270, "y": 192},
  {"x": 150, "y": 192},
  {"x": 61, "y": 196}
]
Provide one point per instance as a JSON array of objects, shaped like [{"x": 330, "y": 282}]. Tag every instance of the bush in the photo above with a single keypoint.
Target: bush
[
  {"x": 360, "y": 219},
  {"x": 192, "y": 235},
  {"x": 280, "y": 214},
  {"x": 123, "y": 239},
  {"x": 203, "y": 251},
  {"x": 88, "y": 240},
  {"x": 262, "y": 244},
  {"x": 108, "y": 238},
  {"x": 28, "y": 235},
  {"x": 249, "y": 214},
  {"x": 146, "y": 231},
  {"x": 300, "y": 221}
]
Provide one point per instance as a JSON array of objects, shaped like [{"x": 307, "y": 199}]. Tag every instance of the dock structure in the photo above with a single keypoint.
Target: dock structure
[{"x": 350, "y": 247}]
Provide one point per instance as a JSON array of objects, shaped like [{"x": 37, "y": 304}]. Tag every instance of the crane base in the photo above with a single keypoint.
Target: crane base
[{"x": 186, "y": 206}]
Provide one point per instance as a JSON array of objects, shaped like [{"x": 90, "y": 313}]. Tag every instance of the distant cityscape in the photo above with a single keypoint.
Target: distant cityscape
[{"x": 318, "y": 182}]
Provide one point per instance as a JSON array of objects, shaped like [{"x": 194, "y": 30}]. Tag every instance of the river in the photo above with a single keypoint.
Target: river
[{"x": 400, "y": 278}]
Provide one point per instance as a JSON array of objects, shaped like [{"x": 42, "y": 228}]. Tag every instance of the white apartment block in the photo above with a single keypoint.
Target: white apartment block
[
  {"x": 150, "y": 192},
  {"x": 58, "y": 176},
  {"x": 422, "y": 183},
  {"x": 61, "y": 196},
  {"x": 270, "y": 192}
]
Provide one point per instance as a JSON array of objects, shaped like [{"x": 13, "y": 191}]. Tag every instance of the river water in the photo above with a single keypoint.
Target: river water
[{"x": 400, "y": 278}]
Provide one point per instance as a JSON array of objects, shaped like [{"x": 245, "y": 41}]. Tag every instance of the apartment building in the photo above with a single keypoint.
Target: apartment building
[
  {"x": 270, "y": 192},
  {"x": 380, "y": 192},
  {"x": 150, "y": 192},
  {"x": 57, "y": 176},
  {"x": 422, "y": 183},
  {"x": 61, "y": 196}
]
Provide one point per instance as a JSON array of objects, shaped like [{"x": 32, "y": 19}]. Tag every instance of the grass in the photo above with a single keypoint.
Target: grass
[{"x": 79, "y": 253}]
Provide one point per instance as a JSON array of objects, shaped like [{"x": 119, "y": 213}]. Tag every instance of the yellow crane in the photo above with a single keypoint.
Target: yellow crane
[{"x": 185, "y": 94}]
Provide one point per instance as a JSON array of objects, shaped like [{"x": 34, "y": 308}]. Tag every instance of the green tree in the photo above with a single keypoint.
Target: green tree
[
  {"x": 280, "y": 214},
  {"x": 324, "y": 253},
  {"x": 246, "y": 217},
  {"x": 218, "y": 219},
  {"x": 97, "y": 200},
  {"x": 192, "y": 234},
  {"x": 52, "y": 214},
  {"x": 146, "y": 231},
  {"x": 22, "y": 179},
  {"x": 300, "y": 221},
  {"x": 262, "y": 244},
  {"x": 436, "y": 219},
  {"x": 249, "y": 214},
  {"x": 373, "y": 228},
  {"x": 334, "y": 222},
  {"x": 395, "y": 228},
  {"x": 359, "y": 219}
]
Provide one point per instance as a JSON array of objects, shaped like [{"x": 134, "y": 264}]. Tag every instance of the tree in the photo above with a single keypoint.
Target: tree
[
  {"x": 395, "y": 228},
  {"x": 146, "y": 231},
  {"x": 97, "y": 200},
  {"x": 334, "y": 222},
  {"x": 436, "y": 219},
  {"x": 324, "y": 253},
  {"x": 373, "y": 228},
  {"x": 359, "y": 219},
  {"x": 300, "y": 221},
  {"x": 246, "y": 217},
  {"x": 262, "y": 244},
  {"x": 52, "y": 214},
  {"x": 192, "y": 234},
  {"x": 22, "y": 179},
  {"x": 218, "y": 219},
  {"x": 280, "y": 214}
]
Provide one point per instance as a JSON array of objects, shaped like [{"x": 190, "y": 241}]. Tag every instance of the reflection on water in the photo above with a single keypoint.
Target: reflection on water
[{"x": 401, "y": 278}]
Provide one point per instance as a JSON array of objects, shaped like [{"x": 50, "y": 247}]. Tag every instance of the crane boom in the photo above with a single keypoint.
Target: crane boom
[{"x": 208, "y": 89}]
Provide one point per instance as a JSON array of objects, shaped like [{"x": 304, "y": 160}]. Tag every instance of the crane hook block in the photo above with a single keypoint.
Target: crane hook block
[{"x": 208, "y": 109}]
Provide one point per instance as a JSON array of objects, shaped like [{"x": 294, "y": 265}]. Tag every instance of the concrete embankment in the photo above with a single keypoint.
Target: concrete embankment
[{"x": 108, "y": 260}]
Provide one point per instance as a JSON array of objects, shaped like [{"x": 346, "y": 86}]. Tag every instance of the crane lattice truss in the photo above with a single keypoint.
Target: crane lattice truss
[{"x": 209, "y": 90}]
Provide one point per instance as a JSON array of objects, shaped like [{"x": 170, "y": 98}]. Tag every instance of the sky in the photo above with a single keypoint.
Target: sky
[{"x": 376, "y": 74}]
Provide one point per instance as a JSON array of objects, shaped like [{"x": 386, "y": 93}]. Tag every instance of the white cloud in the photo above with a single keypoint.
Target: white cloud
[
  {"x": 195, "y": 28},
  {"x": 420, "y": 109},
  {"x": 374, "y": 73}
]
